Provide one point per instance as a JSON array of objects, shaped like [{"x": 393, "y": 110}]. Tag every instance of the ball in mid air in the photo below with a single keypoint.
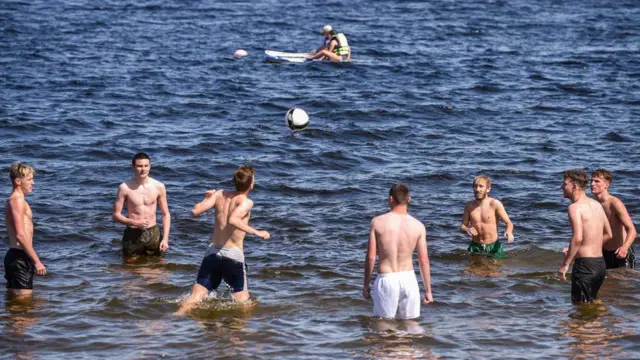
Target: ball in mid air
[{"x": 297, "y": 119}]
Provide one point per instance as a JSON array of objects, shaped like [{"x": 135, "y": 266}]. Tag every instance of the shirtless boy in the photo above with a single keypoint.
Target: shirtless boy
[
  {"x": 483, "y": 213},
  {"x": 395, "y": 236},
  {"x": 619, "y": 251},
  {"x": 21, "y": 261},
  {"x": 142, "y": 195},
  {"x": 590, "y": 229},
  {"x": 224, "y": 259}
]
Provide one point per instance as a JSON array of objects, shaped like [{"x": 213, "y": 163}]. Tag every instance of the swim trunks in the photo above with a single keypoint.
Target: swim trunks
[
  {"x": 396, "y": 295},
  {"x": 223, "y": 263},
  {"x": 613, "y": 262},
  {"x": 586, "y": 278},
  {"x": 19, "y": 269},
  {"x": 136, "y": 241},
  {"x": 496, "y": 249}
]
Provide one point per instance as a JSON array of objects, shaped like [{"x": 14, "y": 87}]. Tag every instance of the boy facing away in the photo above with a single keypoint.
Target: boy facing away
[{"x": 224, "y": 259}]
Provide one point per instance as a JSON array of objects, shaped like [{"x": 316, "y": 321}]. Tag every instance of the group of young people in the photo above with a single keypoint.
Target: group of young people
[
  {"x": 142, "y": 195},
  {"x": 602, "y": 238},
  {"x": 603, "y": 235}
]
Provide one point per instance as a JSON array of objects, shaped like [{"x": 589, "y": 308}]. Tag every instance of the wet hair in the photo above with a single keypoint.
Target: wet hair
[
  {"x": 482, "y": 178},
  {"x": 400, "y": 193},
  {"x": 578, "y": 176},
  {"x": 243, "y": 178},
  {"x": 19, "y": 170},
  {"x": 139, "y": 156},
  {"x": 333, "y": 33},
  {"x": 604, "y": 173}
]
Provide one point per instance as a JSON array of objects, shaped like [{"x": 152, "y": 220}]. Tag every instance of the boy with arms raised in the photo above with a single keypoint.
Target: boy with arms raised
[
  {"x": 618, "y": 252},
  {"x": 224, "y": 259},
  {"x": 483, "y": 214},
  {"x": 21, "y": 261}
]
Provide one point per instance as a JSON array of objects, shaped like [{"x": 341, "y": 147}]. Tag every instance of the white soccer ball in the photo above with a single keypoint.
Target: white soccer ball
[{"x": 296, "y": 119}]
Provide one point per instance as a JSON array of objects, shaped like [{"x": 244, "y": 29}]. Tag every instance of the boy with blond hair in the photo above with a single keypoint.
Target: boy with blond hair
[
  {"x": 480, "y": 220},
  {"x": 21, "y": 261}
]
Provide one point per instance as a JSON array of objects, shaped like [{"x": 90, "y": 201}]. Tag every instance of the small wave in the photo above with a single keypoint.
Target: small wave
[
  {"x": 613, "y": 136},
  {"x": 295, "y": 190},
  {"x": 279, "y": 274},
  {"x": 364, "y": 134},
  {"x": 508, "y": 171},
  {"x": 545, "y": 205},
  {"x": 575, "y": 89},
  {"x": 178, "y": 266},
  {"x": 546, "y": 108},
  {"x": 440, "y": 176},
  {"x": 433, "y": 177},
  {"x": 571, "y": 63},
  {"x": 539, "y": 77},
  {"x": 487, "y": 88},
  {"x": 533, "y": 275}
]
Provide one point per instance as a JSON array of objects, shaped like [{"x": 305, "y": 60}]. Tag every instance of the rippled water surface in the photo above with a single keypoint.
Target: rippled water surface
[{"x": 437, "y": 93}]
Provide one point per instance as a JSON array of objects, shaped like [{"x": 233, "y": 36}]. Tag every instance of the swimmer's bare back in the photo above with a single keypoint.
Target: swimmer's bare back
[
  {"x": 396, "y": 236},
  {"x": 232, "y": 214}
]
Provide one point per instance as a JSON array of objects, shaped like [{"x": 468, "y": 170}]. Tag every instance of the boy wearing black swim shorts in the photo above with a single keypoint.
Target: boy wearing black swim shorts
[
  {"x": 224, "y": 259},
  {"x": 590, "y": 229},
  {"x": 21, "y": 261},
  {"x": 619, "y": 251},
  {"x": 142, "y": 195}
]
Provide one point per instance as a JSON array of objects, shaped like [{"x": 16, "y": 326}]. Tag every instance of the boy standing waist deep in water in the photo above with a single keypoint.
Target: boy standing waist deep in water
[
  {"x": 142, "y": 195},
  {"x": 480, "y": 220},
  {"x": 394, "y": 237},
  {"x": 617, "y": 252},
  {"x": 590, "y": 229},
  {"x": 21, "y": 261}
]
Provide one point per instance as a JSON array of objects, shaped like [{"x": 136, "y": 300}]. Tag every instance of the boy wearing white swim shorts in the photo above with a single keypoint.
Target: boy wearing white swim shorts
[{"x": 394, "y": 237}]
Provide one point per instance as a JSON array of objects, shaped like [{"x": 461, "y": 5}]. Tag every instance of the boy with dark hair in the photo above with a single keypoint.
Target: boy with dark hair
[
  {"x": 393, "y": 238},
  {"x": 142, "y": 195},
  {"x": 224, "y": 259},
  {"x": 590, "y": 229},
  {"x": 618, "y": 252}
]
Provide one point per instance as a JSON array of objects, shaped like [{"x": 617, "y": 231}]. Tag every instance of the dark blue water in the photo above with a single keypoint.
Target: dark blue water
[{"x": 437, "y": 93}]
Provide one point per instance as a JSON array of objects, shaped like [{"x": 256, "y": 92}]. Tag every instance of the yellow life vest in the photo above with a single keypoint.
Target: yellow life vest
[{"x": 343, "y": 46}]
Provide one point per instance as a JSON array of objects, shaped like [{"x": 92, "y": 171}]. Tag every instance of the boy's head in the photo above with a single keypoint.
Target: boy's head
[
  {"x": 481, "y": 187},
  {"x": 22, "y": 176},
  {"x": 399, "y": 194},
  {"x": 244, "y": 178}
]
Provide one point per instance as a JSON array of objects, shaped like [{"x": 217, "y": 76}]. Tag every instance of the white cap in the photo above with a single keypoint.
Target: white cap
[{"x": 326, "y": 29}]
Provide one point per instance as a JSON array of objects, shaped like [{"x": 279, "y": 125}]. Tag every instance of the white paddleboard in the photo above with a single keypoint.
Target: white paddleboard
[{"x": 280, "y": 56}]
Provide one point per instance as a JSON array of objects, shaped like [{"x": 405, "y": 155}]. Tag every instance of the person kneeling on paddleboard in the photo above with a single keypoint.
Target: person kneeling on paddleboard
[{"x": 338, "y": 48}]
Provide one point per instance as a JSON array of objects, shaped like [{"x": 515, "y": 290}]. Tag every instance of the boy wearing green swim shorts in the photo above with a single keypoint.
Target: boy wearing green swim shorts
[{"x": 480, "y": 220}]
